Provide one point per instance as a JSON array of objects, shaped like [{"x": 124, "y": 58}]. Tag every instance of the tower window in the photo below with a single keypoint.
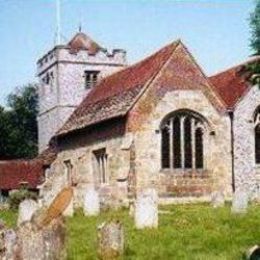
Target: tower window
[{"x": 91, "y": 78}]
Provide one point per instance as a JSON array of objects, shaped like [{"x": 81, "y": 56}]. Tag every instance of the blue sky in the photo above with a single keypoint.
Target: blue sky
[{"x": 215, "y": 31}]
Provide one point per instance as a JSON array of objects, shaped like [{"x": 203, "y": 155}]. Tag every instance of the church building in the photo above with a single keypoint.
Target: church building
[{"x": 159, "y": 123}]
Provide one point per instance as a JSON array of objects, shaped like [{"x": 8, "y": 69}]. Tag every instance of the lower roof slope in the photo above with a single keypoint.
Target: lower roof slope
[
  {"x": 233, "y": 83},
  {"x": 13, "y": 173}
]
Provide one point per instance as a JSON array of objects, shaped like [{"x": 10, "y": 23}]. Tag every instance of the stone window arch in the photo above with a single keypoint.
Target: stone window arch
[
  {"x": 257, "y": 135},
  {"x": 183, "y": 135}
]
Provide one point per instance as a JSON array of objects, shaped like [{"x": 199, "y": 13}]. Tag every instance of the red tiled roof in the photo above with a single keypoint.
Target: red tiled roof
[
  {"x": 15, "y": 172},
  {"x": 47, "y": 156},
  {"x": 231, "y": 84},
  {"x": 116, "y": 94},
  {"x": 82, "y": 41}
]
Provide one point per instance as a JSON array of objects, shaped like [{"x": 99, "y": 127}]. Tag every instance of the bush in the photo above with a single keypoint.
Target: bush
[{"x": 18, "y": 196}]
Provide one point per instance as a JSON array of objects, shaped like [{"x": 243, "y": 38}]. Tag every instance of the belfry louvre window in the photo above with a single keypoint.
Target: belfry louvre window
[
  {"x": 101, "y": 165},
  {"x": 91, "y": 77},
  {"x": 182, "y": 137},
  {"x": 257, "y": 136}
]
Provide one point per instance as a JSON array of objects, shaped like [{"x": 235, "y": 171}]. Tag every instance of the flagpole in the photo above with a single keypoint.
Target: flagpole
[{"x": 58, "y": 24}]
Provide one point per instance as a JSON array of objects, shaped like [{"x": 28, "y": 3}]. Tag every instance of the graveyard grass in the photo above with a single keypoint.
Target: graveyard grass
[{"x": 186, "y": 232}]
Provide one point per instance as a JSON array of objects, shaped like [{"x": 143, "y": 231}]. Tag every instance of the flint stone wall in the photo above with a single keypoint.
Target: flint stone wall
[{"x": 246, "y": 171}]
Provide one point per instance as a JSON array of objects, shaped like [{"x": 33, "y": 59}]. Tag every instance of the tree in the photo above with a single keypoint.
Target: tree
[
  {"x": 18, "y": 124},
  {"x": 254, "y": 68},
  {"x": 255, "y": 29}
]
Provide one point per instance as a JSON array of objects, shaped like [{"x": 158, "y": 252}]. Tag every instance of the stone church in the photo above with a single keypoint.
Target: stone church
[{"x": 158, "y": 123}]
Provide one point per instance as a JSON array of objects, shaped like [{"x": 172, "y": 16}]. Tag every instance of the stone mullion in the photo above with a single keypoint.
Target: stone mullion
[
  {"x": 193, "y": 148},
  {"x": 171, "y": 144},
  {"x": 182, "y": 142}
]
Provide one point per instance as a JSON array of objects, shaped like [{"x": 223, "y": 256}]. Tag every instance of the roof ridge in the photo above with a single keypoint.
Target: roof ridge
[{"x": 249, "y": 60}]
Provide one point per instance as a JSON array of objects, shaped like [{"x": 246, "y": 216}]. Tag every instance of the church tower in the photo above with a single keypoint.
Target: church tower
[{"x": 66, "y": 74}]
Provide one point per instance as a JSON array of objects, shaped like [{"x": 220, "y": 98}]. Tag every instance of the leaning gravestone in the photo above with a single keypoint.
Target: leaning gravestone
[
  {"x": 91, "y": 205},
  {"x": 239, "y": 202},
  {"x": 217, "y": 199},
  {"x": 26, "y": 209},
  {"x": 146, "y": 209},
  {"x": 69, "y": 211},
  {"x": 110, "y": 240}
]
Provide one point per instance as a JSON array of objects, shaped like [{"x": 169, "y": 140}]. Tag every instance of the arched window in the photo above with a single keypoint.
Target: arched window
[
  {"x": 182, "y": 141},
  {"x": 257, "y": 136}
]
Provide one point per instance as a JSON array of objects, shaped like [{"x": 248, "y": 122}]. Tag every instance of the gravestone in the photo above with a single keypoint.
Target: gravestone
[
  {"x": 146, "y": 209},
  {"x": 10, "y": 239},
  {"x": 110, "y": 240},
  {"x": 91, "y": 205},
  {"x": 217, "y": 199},
  {"x": 2, "y": 238},
  {"x": 239, "y": 202},
  {"x": 46, "y": 243},
  {"x": 26, "y": 209}
]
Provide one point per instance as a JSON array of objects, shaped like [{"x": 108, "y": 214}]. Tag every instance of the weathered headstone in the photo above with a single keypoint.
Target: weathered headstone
[
  {"x": 146, "y": 209},
  {"x": 26, "y": 209},
  {"x": 47, "y": 243},
  {"x": 217, "y": 199},
  {"x": 10, "y": 239},
  {"x": 110, "y": 240},
  {"x": 2, "y": 238},
  {"x": 91, "y": 205},
  {"x": 239, "y": 202}
]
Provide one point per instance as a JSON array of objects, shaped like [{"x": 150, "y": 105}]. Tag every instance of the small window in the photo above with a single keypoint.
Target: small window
[
  {"x": 101, "y": 165},
  {"x": 68, "y": 171},
  {"x": 91, "y": 78}
]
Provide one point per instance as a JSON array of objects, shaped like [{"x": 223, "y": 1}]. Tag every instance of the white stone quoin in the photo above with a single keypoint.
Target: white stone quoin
[
  {"x": 26, "y": 209},
  {"x": 91, "y": 205},
  {"x": 146, "y": 209}
]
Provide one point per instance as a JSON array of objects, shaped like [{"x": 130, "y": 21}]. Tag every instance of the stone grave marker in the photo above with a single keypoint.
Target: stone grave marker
[
  {"x": 146, "y": 209},
  {"x": 91, "y": 204},
  {"x": 26, "y": 209},
  {"x": 239, "y": 202},
  {"x": 110, "y": 240}
]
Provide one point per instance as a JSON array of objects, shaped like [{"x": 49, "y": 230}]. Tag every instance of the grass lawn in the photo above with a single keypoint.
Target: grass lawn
[{"x": 189, "y": 232}]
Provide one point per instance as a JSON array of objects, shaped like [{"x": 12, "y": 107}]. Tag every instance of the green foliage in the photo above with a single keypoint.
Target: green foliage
[
  {"x": 17, "y": 197},
  {"x": 9, "y": 217},
  {"x": 254, "y": 68},
  {"x": 255, "y": 28},
  {"x": 18, "y": 124}
]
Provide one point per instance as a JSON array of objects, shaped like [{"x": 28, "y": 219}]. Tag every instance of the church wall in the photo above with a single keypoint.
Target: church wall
[
  {"x": 247, "y": 174},
  {"x": 79, "y": 149},
  {"x": 218, "y": 174}
]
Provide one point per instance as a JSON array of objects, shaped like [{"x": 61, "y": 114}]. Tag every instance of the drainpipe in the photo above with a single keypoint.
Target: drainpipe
[{"x": 231, "y": 116}]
